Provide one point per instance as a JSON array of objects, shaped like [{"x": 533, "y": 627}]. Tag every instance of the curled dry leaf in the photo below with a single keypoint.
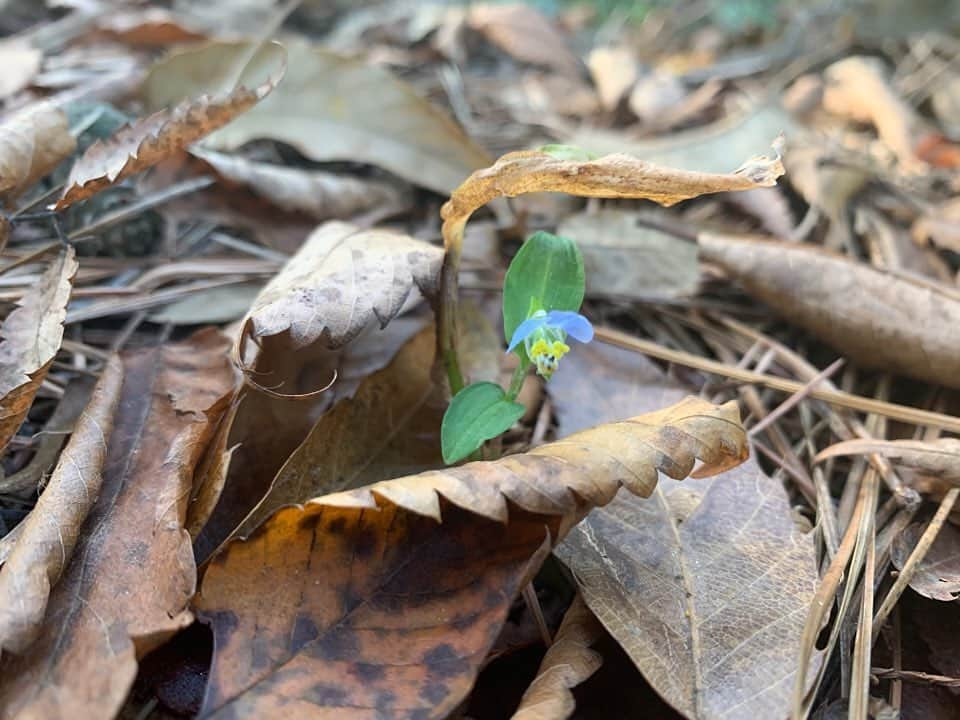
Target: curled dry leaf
[
  {"x": 934, "y": 457},
  {"x": 419, "y": 572},
  {"x": 704, "y": 585},
  {"x": 876, "y": 319},
  {"x": 568, "y": 662},
  {"x": 321, "y": 195},
  {"x": 146, "y": 142},
  {"x": 525, "y": 34},
  {"x": 32, "y": 334},
  {"x": 937, "y": 575},
  {"x": 359, "y": 113},
  {"x": 32, "y": 143},
  {"x": 46, "y": 542},
  {"x": 341, "y": 279},
  {"x": 132, "y": 575}
]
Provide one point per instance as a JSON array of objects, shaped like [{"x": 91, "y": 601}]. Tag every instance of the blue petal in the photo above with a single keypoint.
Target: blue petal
[
  {"x": 574, "y": 324},
  {"x": 525, "y": 328}
]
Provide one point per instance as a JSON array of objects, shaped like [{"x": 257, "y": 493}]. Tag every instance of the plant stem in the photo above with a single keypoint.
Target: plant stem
[
  {"x": 447, "y": 306},
  {"x": 516, "y": 382}
]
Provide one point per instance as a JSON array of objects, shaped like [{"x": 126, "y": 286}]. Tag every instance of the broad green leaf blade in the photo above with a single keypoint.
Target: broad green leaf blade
[
  {"x": 478, "y": 412},
  {"x": 546, "y": 274}
]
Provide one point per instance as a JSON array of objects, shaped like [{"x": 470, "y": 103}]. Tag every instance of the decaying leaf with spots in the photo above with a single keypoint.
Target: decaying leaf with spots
[
  {"x": 32, "y": 334},
  {"x": 32, "y": 143},
  {"x": 50, "y": 533},
  {"x": 146, "y": 142},
  {"x": 342, "y": 279},
  {"x": 129, "y": 584},
  {"x": 386, "y": 599}
]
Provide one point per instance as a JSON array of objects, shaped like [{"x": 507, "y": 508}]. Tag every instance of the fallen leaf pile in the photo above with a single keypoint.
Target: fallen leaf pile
[{"x": 248, "y": 248}]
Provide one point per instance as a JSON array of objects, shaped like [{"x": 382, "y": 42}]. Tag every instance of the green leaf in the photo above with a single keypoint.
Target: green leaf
[
  {"x": 569, "y": 152},
  {"x": 546, "y": 274},
  {"x": 477, "y": 413}
]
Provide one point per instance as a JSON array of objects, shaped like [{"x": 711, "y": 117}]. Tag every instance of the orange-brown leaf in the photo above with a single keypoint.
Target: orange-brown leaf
[
  {"x": 49, "y": 534},
  {"x": 387, "y": 598},
  {"x": 132, "y": 575},
  {"x": 32, "y": 334},
  {"x": 146, "y": 142},
  {"x": 876, "y": 319}
]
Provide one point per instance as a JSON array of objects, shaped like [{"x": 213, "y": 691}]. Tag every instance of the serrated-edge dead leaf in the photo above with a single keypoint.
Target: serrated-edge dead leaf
[
  {"x": 340, "y": 280},
  {"x": 51, "y": 530},
  {"x": 147, "y": 141},
  {"x": 567, "y": 663},
  {"x": 935, "y": 457},
  {"x": 32, "y": 334},
  {"x": 555, "y": 484},
  {"x": 32, "y": 143}
]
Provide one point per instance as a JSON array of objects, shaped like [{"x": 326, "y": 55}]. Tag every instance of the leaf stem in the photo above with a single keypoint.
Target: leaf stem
[
  {"x": 516, "y": 382},
  {"x": 447, "y": 307}
]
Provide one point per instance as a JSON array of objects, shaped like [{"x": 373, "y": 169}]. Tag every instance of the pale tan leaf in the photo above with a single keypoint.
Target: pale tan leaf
[
  {"x": 149, "y": 140},
  {"x": 525, "y": 34},
  {"x": 32, "y": 334},
  {"x": 340, "y": 280},
  {"x": 321, "y": 195},
  {"x": 568, "y": 662},
  {"x": 934, "y": 457},
  {"x": 358, "y": 113},
  {"x": 876, "y": 319},
  {"x": 50, "y": 532},
  {"x": 937, "y": 575},
  {"x": 129, "y": 584},
  {"x": 20, "y": 62},
  {"x": 705, "y": 585},
  {"x": 32, "y": 143},
  {"x": 614, "y": 71},
  {"x": 405, "y": 562},
  {"x": 624, "y": 259}
]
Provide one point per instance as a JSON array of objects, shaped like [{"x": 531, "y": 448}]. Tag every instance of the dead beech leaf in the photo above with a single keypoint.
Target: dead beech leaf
[
  {"x": 567, "y": 663},
  {"x": 32, "y": 143},
  {"x": 419, "y": 572},
  {"x": 359, "y": 113},
  {"x": 321, "y": 195},
  {"x": 857, "y": 88},
  {"x": 935, "y": 457},
  {"x": 937, "y": 576},
  {"x": 626, "y": 260},
  {"x": 341, "y": 279},
  {"x": 150, "y": 27},
  {"x": 705, "y": 584},
  {"x": 50, "y": 532},
  {"x": 149, "y": 140},
  {"x": 876, "y": 319},
  {"x": 32, "y": 334},
  {"x": 132, "y": 576},
  {"x": 525, "y": 34}
]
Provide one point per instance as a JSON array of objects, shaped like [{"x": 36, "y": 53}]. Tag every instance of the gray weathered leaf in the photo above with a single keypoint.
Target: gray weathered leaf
[{"x": 937, "y": 576}]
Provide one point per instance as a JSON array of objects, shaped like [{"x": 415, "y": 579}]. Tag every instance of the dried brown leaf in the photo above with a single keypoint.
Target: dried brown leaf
[
  {"x": 321, "y": 195},
  {"x": 525, "y": 34},
  {"x": 876, "y": 319},
  {"x": 147, "y": 141},
  {"x": 32, "y": 334},
  {"x": 937, "y": 575},
  {"x": 705, "y": 585},
  {"x": 359, "y": 113},
  {"x": 132, "y": 576},
  {"x": 50, "y": 532},
  {"x": 342, "y": 279},
  {"x": 568, "y": 662},
  {"x": 150, "y": 27},
  {"x": 419, "y": 572},
  {"x": 32, "y": 143},
  {"x": 934, "y": 457}
]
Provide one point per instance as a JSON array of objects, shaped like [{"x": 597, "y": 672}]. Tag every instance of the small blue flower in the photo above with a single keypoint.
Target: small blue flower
[{"x": 543, "y": 336}]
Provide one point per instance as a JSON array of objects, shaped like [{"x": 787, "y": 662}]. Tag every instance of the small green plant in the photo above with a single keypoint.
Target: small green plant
[{"x": 542, "y": 293}]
